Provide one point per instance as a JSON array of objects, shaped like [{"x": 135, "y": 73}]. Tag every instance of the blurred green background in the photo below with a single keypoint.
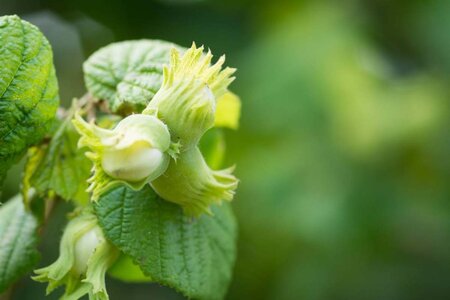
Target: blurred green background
[{"x": 343, "y": 150}]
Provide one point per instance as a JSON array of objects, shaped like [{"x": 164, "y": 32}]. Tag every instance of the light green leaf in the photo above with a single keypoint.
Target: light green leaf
[
  {"x": 28, "y": 88},
  {"x": 193, "y": 255},
  {"x": 228, "y": 111},
  {"x": 127, "y": 74},
  {"x": 18, "y": 242},
  {"x": 126, "y": 270},
  {"x": 212, "y": 145},
  {"x": 59, "y": 166}
]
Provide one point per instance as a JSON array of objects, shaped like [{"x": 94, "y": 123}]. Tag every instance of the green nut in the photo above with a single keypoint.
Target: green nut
[
  {"x": 187, "y": 103},
  {"x": 135, "y": 152},
  {"x": 85, "y": 256},
  {"x": 192, "y": 184}
]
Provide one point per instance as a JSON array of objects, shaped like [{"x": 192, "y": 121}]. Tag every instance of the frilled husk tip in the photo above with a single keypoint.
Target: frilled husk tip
[{"x": 85, "y": 256}]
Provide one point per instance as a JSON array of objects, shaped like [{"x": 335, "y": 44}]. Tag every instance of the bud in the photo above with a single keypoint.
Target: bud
[
  {"x": 188, "y": 97},
  {"x": 85, "y": 256},
  {"x": 135, "y": 152}
]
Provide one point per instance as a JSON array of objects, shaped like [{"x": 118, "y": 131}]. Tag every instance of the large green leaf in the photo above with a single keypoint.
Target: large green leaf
[
  {"x": 127, "y": 74},
  {"x": 18, "y": 242},
  {"x": 194, "y": 256},
  {"x": 59, "y": 166},
  {"x": 28, "y": 88}
]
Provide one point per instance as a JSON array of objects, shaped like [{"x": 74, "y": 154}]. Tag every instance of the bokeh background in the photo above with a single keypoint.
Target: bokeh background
[{"x": 343, "y": 149}]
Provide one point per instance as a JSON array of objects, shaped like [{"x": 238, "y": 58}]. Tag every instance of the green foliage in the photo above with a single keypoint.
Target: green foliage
[
  {"x": 60, "y": 166},
  {"x": 347, "y": 160},
  {"x": 127, "y": 74},
  {"x": 18, "y": 241},
  {"x": 28, "y": 88},
  {"x": 342, "y": 150},
  {"x": 159, "y": 240},
  {"x": 194, "y": 256}
]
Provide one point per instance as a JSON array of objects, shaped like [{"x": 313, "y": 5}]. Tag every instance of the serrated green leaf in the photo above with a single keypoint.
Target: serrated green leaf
[
  {"x": 193, "y": 255},
  {"x": 59, "y": 166},
  {"x": 127, "y": 74},
  {"x": 28, "y": 88},
  {"x": 18, "y": 242}
]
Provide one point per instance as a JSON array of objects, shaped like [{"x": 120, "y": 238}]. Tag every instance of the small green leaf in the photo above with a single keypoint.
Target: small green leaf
[
  {"x": 18, "y": 242},
  {"x": 126, "y": 270},
  {"x": 127, "y": 74},
  {"x": 193, "y": 255},
  {"x": 28, "y": 88},
  {"x": 228, "y": 111},
  {"x": 59, "y": 166}
]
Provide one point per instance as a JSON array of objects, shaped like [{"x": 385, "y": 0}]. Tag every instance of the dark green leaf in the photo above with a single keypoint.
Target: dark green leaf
[
  {"x": 18, "y": 242},
  {"x": 194, "y": 256},
  {"x": 28, "y": 88}
]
